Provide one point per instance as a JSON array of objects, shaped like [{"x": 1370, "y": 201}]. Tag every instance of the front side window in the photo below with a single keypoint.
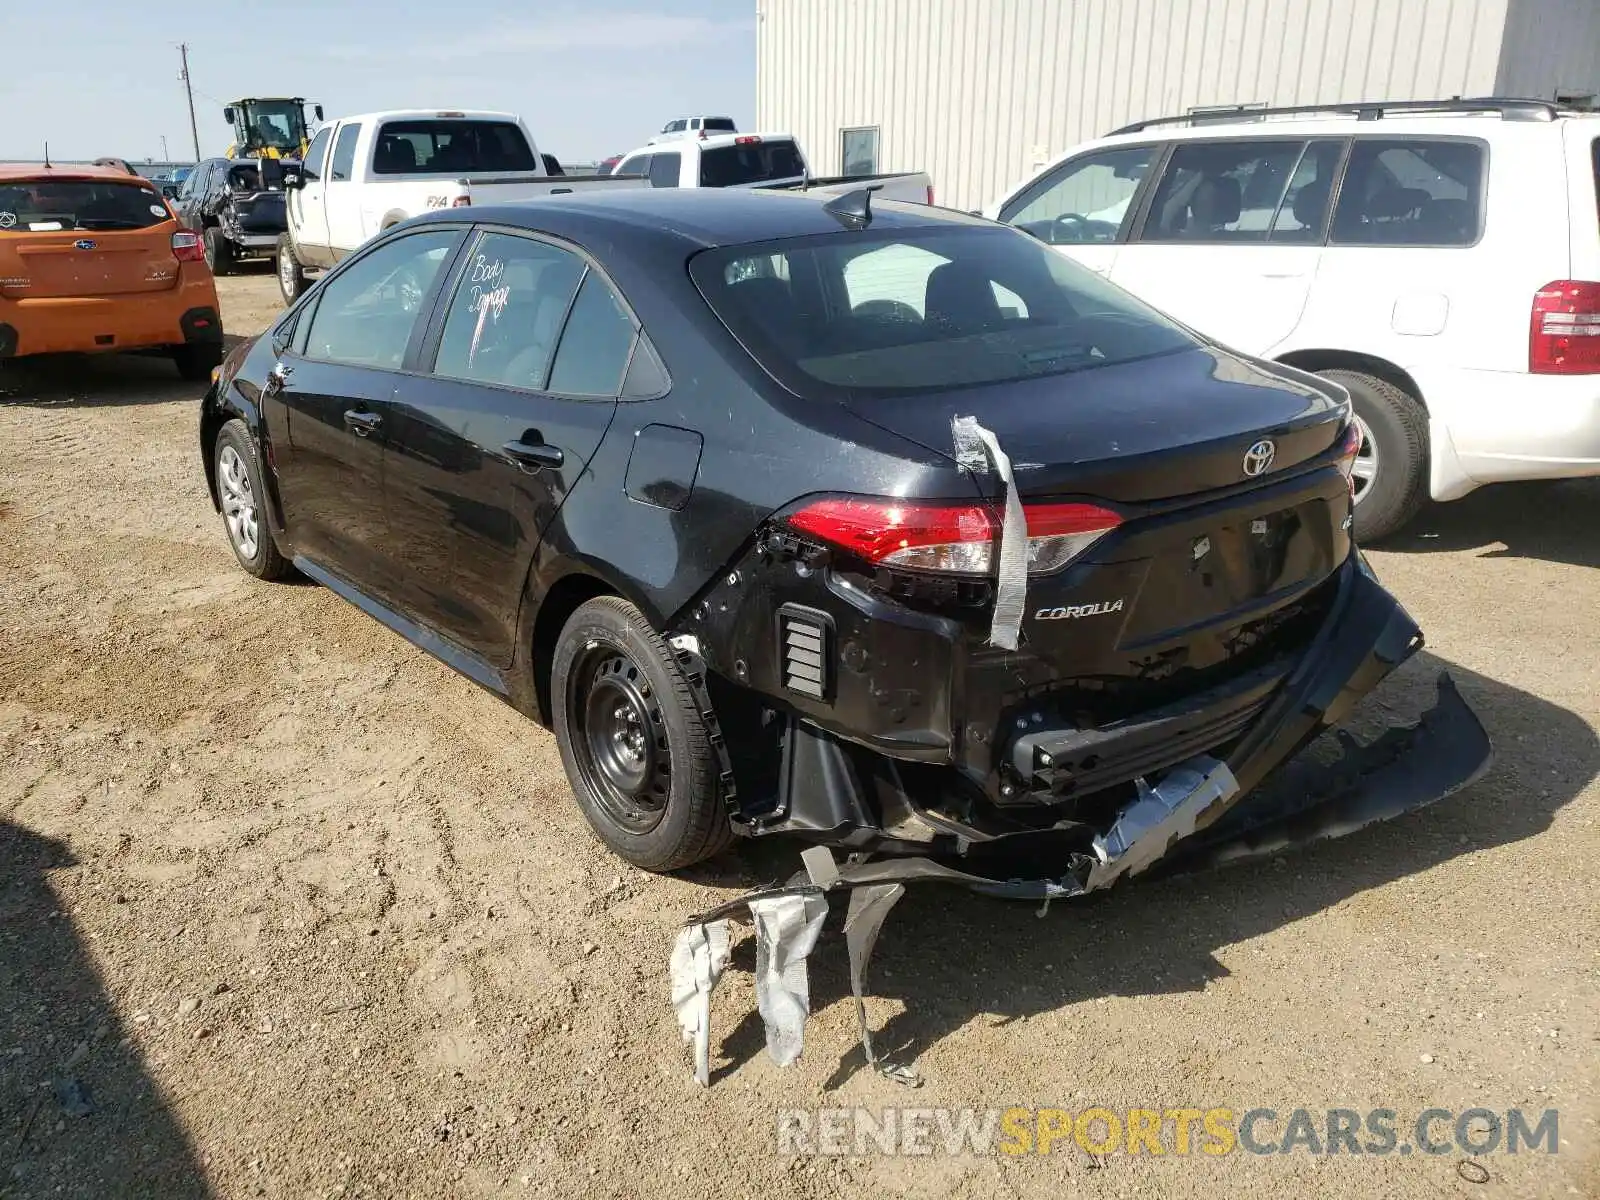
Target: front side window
[
  {"x": 508, "y": 311},
  {"x": 1410, "y": 193},
  {"x": 1085, "y": 200},
  {"x": 50, "y": 205},
  {"x": 1226, "y": 191},
  {"x": 922, "y": 310},
  {"x": 344, "y": 153},
  {"x": 366, "y": 313},
  {"x": 858, "y": 151},
  {"x": 449, "y": 146},
  {"x": 311, "y": 169},
  {"x": 664, "y": 170}
]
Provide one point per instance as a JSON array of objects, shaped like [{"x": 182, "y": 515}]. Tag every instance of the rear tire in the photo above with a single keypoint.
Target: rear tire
[
  {"x": 1397, "y": 426},
  {"x": 219, "y": 252},
  {"x": 244, "y": 518},
  {"x": 197, "y": 360},
  {"x": 635, "y": 747},
  {"x": 290, "y": 270}
]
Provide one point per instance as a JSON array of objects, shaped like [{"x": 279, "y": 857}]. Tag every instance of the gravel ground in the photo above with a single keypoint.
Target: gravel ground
[{"x": 305, "y": 914}]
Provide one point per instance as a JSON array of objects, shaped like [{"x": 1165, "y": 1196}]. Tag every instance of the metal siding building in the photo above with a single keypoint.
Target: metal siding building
[{"x": 981, "y": 93}]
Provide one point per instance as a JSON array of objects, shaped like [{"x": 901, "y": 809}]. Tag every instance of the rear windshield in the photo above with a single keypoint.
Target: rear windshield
[
  {"x": 923, "y": 310},
  {"x": 753, "y": 162},
  {"x": 36, "y": 206},
  {"x": 448, "y": 147},
  {"x": 719, "y": 125}
]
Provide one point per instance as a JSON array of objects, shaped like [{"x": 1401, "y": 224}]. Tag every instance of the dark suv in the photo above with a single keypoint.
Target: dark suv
[
  {"x": 875, "y": 523},
  {"x": 236, "y": 206}
]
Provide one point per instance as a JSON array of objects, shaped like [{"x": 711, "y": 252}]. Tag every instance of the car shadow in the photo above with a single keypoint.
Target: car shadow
[
  {"x": 79, "y": 1114},
  {"x": 1549, "y": 520},
  {"x": 947, "y": 954},
  {"x": 97, "y": 380}
]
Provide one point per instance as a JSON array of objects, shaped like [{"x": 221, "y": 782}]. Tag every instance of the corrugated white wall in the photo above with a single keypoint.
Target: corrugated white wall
[
  {"x": 981, "y": 92},
  {"x": 1551, "y": 44}
]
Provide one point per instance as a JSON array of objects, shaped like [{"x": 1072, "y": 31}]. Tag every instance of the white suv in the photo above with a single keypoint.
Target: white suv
[{"x": 1440, "y": 260}]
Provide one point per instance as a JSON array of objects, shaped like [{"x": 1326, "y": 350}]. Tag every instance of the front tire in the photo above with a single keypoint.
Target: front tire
[
  {"x": 634, "y": 744},
  {"x": 219, "y": 252},
  {"x": 240, "y": 491},
  {"x": 1391, "y": 477},
  {"x": 290, "y": 270}
]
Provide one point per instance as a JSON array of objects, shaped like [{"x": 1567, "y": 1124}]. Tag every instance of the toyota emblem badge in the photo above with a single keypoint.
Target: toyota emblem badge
[{"x": 1258, "y": 459}]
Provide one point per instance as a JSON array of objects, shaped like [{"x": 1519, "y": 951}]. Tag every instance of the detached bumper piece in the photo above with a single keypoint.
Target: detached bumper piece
[{"x": 1192, "y": 819}]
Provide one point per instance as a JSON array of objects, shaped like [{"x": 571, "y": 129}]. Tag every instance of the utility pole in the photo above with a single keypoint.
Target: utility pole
[
  {"x": 183, "y": 51},
  {"x": 164, "y": 157}
]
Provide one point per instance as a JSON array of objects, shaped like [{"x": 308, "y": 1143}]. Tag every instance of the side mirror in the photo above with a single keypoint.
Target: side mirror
[
  {"x": 317, "y": 108},
  {"x": 292, "y": 180},
  {"x": 227, "y": 115}
]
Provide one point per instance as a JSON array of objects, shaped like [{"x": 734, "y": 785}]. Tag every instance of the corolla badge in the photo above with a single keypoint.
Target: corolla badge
[
  {"x": 84, "y": 244},
  {"x": 1258, "y": 459},
  {"x": 1071, "y": 612}
]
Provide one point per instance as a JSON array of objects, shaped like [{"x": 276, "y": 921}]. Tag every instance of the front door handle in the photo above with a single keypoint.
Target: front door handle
[
  {"x": 531, "y": 456},
  {"x": 362, "y": 423}
]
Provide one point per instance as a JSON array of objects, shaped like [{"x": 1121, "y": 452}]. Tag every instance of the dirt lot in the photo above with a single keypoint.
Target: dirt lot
[{"x": 308, "y": 915}]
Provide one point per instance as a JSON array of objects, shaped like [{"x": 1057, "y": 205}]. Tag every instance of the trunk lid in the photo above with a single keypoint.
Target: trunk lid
[
  {"x": 1209, "y": 562},
  {"x": 63, "y": 236}
]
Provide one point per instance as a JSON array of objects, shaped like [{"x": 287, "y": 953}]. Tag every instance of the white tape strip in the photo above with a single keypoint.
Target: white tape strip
[{"x": 1011, "y": 577}]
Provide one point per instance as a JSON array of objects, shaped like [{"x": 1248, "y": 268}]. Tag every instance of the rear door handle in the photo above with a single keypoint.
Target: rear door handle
[
  {"x": 362, "y": 423},
  {"x": 531, "y": 456}
]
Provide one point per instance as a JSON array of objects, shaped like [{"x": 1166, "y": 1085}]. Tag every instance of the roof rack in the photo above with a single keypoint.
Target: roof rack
[{"x": 1510, "y": 108}]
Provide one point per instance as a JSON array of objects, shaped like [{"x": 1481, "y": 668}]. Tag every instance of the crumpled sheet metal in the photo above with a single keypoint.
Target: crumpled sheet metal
[
  {"x": 977, "y": 449},
  {"x": 699, "y": 957},
  {"x": 787, "y": 928}
]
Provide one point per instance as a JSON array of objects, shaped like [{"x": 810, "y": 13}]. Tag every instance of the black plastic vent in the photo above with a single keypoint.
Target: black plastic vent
[{"x": 805, "y": 651}]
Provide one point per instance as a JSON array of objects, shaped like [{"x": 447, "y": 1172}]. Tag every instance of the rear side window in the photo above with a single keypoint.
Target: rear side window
[
  {"x": 448, "y": 146},
  {"x": 863, "y": 314},
  {"x": 344, "y": 153},
  {"x": 1229, "y": 191},
  {"x": 750, "y": 162},
  {"x": 506, "y": 316},
  {"x": 595, "y": 345},
  {"x": 639, "y": 164},
  {"x": 1411, "y": 193},
  {"x": 44, "y": 205},
  {"x": 664, "y": 170}
]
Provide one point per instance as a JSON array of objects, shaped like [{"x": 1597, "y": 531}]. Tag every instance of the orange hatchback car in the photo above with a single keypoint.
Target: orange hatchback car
[{"x": 93, "y": 260}]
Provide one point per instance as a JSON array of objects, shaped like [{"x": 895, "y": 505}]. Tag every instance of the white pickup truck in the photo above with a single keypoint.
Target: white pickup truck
[
  {"x": 363, "y": 174},
  {"x": 756, "y": 160}
]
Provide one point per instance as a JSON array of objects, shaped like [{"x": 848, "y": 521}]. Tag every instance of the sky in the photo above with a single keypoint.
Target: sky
[{"x": 590, "y": 78}]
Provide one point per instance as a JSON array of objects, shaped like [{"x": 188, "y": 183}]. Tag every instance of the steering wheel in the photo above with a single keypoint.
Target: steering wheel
[{"x": 1068, "y": 228}]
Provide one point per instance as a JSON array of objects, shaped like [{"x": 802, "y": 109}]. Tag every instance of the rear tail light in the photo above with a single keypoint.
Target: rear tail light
[
  {"x": 930, "y": 193},
  {"x": 1564, "y": 334},
  {"x": 464, "y": 201},
  {"x": 953, "y": 538},
  {"x": 187, "y": 246},
  {"x": 1349, "y": 447}
]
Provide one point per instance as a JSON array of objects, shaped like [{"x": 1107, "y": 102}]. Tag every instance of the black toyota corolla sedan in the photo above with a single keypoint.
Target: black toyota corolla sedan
[{"x": 878, "y": 524}]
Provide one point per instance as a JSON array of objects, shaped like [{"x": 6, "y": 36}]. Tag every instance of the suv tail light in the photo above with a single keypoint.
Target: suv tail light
[
  {"x": 1564, "y": 334},
  {"x": 464, "y": 201},
  {"x": 954, "y": 538},
  {"x": 187, "y": 246}
]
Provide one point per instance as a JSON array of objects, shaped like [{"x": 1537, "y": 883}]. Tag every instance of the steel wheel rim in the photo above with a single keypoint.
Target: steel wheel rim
[
  {"x": 238, "y": 502},
  {"x": 1364, "y": 471},
  {"x": 619, "y": 739}
]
